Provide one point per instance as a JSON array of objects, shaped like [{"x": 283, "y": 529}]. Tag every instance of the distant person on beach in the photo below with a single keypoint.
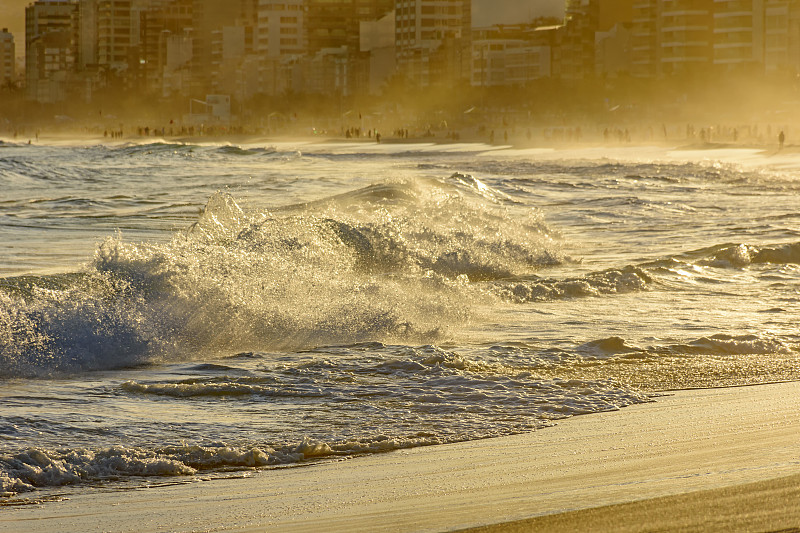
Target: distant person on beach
[{"x": 781, "y": 140}]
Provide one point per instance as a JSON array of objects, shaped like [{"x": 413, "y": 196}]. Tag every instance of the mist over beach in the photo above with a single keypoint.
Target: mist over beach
[{"x": 405, "y": 265}]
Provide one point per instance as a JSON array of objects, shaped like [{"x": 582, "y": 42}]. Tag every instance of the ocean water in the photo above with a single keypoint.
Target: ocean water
[{"x": 175, "y": 312}]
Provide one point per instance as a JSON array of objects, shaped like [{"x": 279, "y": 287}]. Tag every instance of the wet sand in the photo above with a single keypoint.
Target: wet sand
[{"x": 687, "y": 442}]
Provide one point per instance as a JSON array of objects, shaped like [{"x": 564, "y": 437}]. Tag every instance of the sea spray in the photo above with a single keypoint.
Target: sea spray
[{"x": 388, "y": 262}]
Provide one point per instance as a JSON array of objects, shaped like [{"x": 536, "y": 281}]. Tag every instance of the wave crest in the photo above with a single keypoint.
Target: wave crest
[{"x": 392, "y": 261}]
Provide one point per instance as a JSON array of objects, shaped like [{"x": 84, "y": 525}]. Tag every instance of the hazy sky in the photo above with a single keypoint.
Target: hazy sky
[{"x": 484, "y": 12}]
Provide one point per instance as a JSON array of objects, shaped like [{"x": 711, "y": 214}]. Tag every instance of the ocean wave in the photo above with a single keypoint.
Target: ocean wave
[
  {"x": 494, "y": 402},
  {"x": 390, "y": 261},
  {"x": 720, "y": 344},
  {"x": 149, "y": 148},
  {"x": 729, "y": 256},
  {"x": 743, "y": 255},
  {"x": 612, "y": 281},
  {"x": 37, "y": 468},
  {"x": 231, "y": 387},
  {"x": 724, "y": 344}
]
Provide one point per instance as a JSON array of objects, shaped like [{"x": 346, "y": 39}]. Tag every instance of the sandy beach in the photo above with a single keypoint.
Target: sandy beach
[{"x": 703, "y": 460}]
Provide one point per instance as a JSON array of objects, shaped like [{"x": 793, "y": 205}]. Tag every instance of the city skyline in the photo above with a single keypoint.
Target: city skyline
[
  {"x": 211, "y": 61},
  {"x": 485, "y": 12}
]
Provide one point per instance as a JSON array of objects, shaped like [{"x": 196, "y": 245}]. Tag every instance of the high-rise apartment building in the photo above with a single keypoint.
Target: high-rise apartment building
[
  {"x": 117, "y": 33},
  {"x": 281, "y": 28},
  {"x": 645, "y": 52},
  {"x": 6, "y": 57},
  {"x": 506, "y": 55},
  {"x": 165, "y": 24},
  {"x": 51, "y": 48},
  {"x": 280, "y": 41},
  {"x": 208, "y": 19},
  {"x": 739, "y": 33},
  {"x": 673, "y": 37},
  {"x": 432, "y": 40},
  {"x": 685, "y": 36},
  {"x": 586, "y": 21},
  {"x": 576, "y": 47},
  {"x": 751, "y": 36},
  {"x": 87, "y": 33},
  {"x": 782, "y": 36},
  {"x": 335, "y": 23}
]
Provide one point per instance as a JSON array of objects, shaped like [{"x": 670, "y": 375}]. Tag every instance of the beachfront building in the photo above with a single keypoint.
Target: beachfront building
[
  {"x": 688, "y": 36},
  {"x": 685, "y": 36},
  {"x": 782, "y": 37},
  {"x": 671, "y": 37},
  {"x": 645, "y": 54},
  {"x": 613, "y": 51},
  {"x": 739, "y": 34},
  {"x": 335, "y": 23},
  {"x": 377, "y": 41},
  {"x": 6, "y": 58},
  {"x": 335, "y": 61},
  {"x": 209, "y": 17},
  {"x": 280, "y": 41},
  {"x": 117, "y": 32},
  {"x": 587, "y": 24},
  {"x": 165, "y": 28},
  {"x": 577, "y": 54},
  {"x": 432, "y": 40},
  {"x": 51, "y": 49},
  {"x": 509, "y": 55},
  {"x": 234, "y": 64}
]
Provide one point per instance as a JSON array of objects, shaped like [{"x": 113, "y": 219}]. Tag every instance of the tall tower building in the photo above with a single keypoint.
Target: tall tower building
[
  {"x": 432, "y": 40},
  {"x": 281, "y": 28},
  {"x": 645, "y": 50},
  {"x": 685, "y": 36},
  {"x": 577, "y": 58},
  {"x": 51, "y": 48},
  {"x": 739, "y": 33},
  {"x": 6, "y": 57},
  {"x": 163, "y": 25},
  {"x": 782, "y": 37},
  {"x": 116, "y": 34},
  {"x": 209, "y": 17},
  {"x": 335, "y": 23}
]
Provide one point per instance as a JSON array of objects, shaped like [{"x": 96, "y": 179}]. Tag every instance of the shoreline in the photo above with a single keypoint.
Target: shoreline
[
  {"x": 689, "y": 441},
  {"x": 514, "y": 143}
]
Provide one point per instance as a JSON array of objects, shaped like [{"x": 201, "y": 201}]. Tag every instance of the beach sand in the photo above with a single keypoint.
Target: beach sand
[
  {"x": 692, "y": 456},
  {"x": 763, "y": 506}
]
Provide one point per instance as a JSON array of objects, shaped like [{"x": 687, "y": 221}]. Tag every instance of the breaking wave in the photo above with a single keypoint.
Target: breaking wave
[{"x": 392, "y": 261}]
